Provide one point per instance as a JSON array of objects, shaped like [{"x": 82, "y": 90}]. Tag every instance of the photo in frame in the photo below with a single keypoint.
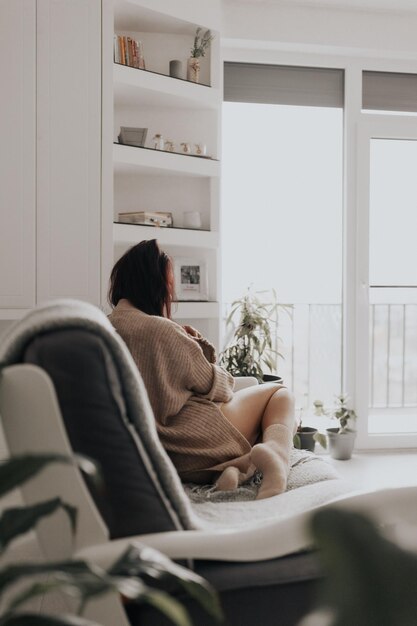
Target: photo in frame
[
  {"x": 191, "y": 281},
  {"x": 130, "y": 136}
]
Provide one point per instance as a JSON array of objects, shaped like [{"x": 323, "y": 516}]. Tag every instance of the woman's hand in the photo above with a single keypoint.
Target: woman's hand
[
  {"x": 208, "y": 350},
  {"x": 192, "y": 332}
]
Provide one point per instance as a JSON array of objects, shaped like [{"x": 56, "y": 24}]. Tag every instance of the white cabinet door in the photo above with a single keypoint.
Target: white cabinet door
[
  {"x": 17, "y": 153},
  {"x": 68, "y": 149}
]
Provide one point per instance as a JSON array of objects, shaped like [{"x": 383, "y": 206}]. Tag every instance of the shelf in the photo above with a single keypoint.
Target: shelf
[
  {"x": 195, "y": 310},
  {"x": 133, "y": 233},
  {"x": 128, "y": 159},
  {"x": 134, "y": 87},
  {"x": 153, "y": 99}
]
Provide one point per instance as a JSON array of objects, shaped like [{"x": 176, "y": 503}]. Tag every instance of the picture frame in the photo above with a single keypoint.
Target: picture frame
[
  {"x": 131, "y": 136},
  {"x": 191, "y": 280}
]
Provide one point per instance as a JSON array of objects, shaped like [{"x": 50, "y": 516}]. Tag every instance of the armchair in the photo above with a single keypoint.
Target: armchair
[{"x": 68, "y": 384}]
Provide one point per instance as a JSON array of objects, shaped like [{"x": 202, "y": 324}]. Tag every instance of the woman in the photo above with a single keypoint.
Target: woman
[{"x": 208, "y": 431}]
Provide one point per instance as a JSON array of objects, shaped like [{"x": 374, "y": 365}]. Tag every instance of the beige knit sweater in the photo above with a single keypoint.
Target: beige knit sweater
[{"x": 186, "y": 389}]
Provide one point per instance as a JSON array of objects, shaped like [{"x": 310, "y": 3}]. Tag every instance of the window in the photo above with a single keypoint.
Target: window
[
  {"x": 387, "y": 315},
  {"x": 386, "y": 354},
  {"x": 284, "y": 135},
  {"x": 282, "y": 168}
]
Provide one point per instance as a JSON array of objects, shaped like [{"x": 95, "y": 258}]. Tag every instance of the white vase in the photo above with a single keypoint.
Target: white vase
[{"x": 193, "y": 69}]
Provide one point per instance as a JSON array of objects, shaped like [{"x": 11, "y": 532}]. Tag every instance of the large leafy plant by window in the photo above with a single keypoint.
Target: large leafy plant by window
[{"x": 252, "y": 350}]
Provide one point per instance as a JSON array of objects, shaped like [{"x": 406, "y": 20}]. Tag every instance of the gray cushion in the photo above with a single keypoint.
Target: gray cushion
[{"x": 91, "y": 402}]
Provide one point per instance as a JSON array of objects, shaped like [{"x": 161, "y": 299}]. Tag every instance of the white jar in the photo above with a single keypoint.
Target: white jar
[
  {"x": 159, "y": 143},
  {"x": 191, "y": 219}
]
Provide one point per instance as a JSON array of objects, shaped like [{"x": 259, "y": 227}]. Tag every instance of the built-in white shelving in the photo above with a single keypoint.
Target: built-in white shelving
[
  {"x": 195, "y": 310},
  {"x": 130, "y": 234},
  {"x": 133, "y": 87},
  {"x": 128, "y": 159},
  {"x": 146, "y": 179}
]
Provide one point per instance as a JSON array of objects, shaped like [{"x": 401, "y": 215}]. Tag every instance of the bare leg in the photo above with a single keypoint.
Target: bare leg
[
  {"x": 250, "y": 407},
  {"x": 267, "y": 410}
]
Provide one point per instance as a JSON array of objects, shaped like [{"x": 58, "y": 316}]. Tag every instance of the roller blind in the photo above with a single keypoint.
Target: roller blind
[
  {"x": 389, "y": 91},
  {"x": 279, "y": 84}
]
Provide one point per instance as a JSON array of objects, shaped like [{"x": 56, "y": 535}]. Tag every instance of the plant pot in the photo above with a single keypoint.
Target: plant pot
[
  {"x": 341, "y": 444},
  {"x": 306, "y": 436},
  {"x": 271, "y": 378}
]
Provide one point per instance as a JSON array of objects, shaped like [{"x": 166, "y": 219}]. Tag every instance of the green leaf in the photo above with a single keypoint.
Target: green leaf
[
  {"x": 34, "y": 591},
  {"x": 16, "y": 471},
  {"x": 297, "y": 441},
  {"x": 19, "y": 520},
  {"x": 13, "y": 573},
  {"x": 321, "y": 439},
  {"x": 139, "y": 560},
  {"x": 91, "y": 469},
  {"x": 170, "y": 607},
  {"x": 86, "y": 583},
  {"x": 370, "y": 581},
  {"x": 32, "y": 619}
]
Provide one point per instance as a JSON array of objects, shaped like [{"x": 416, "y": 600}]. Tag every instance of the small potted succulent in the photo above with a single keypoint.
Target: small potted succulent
[
  {"x": 202, "y": 40},
  {"x": 251, "y": 349},
  {"x": 342, "y": 438}
]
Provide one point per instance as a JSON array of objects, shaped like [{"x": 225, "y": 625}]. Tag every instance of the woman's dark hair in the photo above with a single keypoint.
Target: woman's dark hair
[{"x": 144, "y": 276}]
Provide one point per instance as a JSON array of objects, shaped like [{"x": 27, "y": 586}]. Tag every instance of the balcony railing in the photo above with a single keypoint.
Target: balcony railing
[
  {"x": 310, "y": 339},
  {"x": 393, "y": 355}
]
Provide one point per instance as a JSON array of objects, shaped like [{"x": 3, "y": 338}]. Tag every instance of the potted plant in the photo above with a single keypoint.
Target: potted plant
[
  {"x": 201, "y": 42},
  {"x": 251, "y": 349},
  {"x": 306, "y": 437},
  {"x": 342, "y": 438}
]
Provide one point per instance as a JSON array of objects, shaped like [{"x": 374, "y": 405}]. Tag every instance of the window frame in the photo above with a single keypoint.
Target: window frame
[
  {"x": 353, "y": 62},
  {"x": 371, "y": 127}
]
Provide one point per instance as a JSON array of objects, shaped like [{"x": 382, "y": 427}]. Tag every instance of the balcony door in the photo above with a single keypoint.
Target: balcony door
[{"x": 386, "y": 278}]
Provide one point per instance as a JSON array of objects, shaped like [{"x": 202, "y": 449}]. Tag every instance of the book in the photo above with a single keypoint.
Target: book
[
  {"x": 128, "y": 51},
  {"x": 147, "y": 218}
]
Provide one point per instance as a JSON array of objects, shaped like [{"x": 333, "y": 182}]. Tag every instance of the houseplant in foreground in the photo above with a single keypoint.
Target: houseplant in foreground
[
  {"x": 251, "y": 349},
  {"x": 369, "y": 579},
  {"x": 139, "y": 575},
  {"x": 342, "y": 438}
]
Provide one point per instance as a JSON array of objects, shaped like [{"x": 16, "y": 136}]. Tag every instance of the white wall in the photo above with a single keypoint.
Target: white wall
[{"x": 380, "y": 31}]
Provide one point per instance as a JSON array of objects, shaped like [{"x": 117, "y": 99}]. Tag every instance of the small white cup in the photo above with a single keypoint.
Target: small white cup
[{"x": 191, "y": 219}]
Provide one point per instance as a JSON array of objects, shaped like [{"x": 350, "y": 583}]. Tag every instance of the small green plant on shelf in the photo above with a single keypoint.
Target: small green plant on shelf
[
  {"x": 202, "y": 40},
  {"x": 251, "y": 348}
]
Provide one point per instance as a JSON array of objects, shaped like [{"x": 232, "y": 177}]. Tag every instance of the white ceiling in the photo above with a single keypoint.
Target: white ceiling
[{"x": 366, "y": 5}]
